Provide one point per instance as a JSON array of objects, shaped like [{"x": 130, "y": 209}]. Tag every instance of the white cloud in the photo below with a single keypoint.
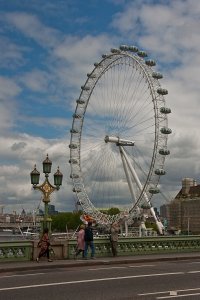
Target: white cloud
[
  {"x": 11, "y": 55},
  {"x": 80, "y": 54},
  {"x": 36, "y": 80},
  {"x": 8, "y": 88},
  {"x": 168, "y": 29},
  {"x": 32, "y": 27},
  {"x": 26, "y": 151}
]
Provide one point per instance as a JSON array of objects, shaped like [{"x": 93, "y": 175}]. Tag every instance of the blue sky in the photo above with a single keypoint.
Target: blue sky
[{"x": 46, "y": 50}]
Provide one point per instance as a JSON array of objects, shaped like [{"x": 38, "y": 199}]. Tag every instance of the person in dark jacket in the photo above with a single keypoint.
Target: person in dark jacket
[{"x": 89, "y": 240}]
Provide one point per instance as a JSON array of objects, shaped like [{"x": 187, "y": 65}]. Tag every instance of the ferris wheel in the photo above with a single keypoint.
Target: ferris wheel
[{"x": 119, "y": 136}]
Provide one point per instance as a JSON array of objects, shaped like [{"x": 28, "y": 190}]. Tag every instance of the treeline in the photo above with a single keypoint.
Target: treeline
[{"x": 64, "y": 221}]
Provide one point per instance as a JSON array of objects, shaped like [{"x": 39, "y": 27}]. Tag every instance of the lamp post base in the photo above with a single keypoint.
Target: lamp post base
[{"x": 46, "y": 223}]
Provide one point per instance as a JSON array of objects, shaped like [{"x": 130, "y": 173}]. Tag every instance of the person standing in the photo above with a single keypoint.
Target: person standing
[
  {"x": 44, "y": 244},
  {"x": 114, "y": 231},
  {"x": 80, "y": 241},
  {"x": 89, "y": 240}
]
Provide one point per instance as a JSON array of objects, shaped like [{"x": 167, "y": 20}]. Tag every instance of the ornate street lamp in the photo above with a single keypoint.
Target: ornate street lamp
[{"x": 46, "y": 188}]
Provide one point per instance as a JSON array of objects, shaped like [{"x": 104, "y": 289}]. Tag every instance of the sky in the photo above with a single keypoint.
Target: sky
[{"x": 46, "y": 50}]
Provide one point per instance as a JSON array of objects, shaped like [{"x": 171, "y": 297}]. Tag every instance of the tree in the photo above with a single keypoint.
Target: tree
[
  {"x": 113, "y": 211},
  {"x": 66, "y": 220},
  {"x": 151, "y": 225}
]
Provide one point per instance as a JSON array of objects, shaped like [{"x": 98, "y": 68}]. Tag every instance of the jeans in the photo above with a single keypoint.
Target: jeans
[{"x": 91, "y": 245}]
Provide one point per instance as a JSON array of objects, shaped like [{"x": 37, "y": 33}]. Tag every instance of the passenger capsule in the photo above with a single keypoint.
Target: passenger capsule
[
  {"x": 164, "y": 151},
  {"x": 80, "y": 101},
  {"x": 76, "y": 190},
  {"x": 73, "y": 161},
  {"x": 160, "y": 172},
  {"x": 73, "y": 130},
  {"x": 96, "y": 64},
  {"x": 91, "y": 75},
  {"x": 73, "y": 146},
  {"x": 150, "y": 62},
  {"x": 165, "y": 130},
  {"x": 106, "y": 56},
  {"x": 154, "y": 190},
  {"x": 165, "y": 110},
  {"x": 133, "y": 49},
  {"x": 162, "y": 91},
  {"x": 115, "y": 50},
  {"x": 77, "y": 116},
  {"x": 142, "y": 54},
  {"x": 157, "y": 75},
  {"x": 124, "y": 47},
  {"x": 85, "y": 88},
  {"x": 74, "y": 176}
]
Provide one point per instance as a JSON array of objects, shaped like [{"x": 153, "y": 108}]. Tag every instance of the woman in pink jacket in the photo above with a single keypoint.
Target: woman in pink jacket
[{"x": 80, "y": 241}]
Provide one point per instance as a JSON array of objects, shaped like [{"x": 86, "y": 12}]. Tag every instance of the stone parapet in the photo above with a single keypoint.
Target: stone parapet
[{"x": 65, "y": 249}]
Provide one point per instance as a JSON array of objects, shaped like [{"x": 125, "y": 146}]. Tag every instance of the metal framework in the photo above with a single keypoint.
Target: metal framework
[{"x": 120, "y": 120}]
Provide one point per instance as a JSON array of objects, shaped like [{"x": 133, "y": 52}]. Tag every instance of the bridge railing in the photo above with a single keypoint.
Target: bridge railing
[
  {"x": 65, "y": 249},
  {"x": 16, "y": 251},
  {"x": 145, "y": 245}
]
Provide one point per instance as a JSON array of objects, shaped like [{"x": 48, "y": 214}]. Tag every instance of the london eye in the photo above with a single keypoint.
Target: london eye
[{"x": 119, "y": 136}]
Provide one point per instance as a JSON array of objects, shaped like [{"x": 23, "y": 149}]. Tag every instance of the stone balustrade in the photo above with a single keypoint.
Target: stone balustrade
[
  {"x": 65, "y": 248},
  {"x": 16, "y": 251}
]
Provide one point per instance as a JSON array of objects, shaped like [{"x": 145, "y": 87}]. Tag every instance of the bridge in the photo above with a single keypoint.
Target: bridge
[{"x": 21, "y": 250}]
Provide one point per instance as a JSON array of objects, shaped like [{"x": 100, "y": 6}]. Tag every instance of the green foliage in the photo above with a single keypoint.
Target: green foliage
[
  {"x": 71, "y": 220},
  {"x": 113, "y": 211},
  {"x": 151, "y": 225}
]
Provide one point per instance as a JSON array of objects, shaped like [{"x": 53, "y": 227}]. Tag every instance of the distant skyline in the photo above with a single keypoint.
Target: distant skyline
[{"x": 46, "y": 50}]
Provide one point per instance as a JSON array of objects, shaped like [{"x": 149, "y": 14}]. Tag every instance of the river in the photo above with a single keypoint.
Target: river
[{"x": 6, "y": 236}]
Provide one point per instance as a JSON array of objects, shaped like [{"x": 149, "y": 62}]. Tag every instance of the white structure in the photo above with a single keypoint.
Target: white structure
[{"x": 119, "y": 136}]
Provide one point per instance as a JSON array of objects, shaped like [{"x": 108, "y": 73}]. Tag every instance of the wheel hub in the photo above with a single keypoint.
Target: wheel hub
[{"x": 118, "y": 141}]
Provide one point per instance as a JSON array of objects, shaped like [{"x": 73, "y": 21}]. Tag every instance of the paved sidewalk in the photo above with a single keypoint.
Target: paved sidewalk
[{"x": 6, "y": 267}]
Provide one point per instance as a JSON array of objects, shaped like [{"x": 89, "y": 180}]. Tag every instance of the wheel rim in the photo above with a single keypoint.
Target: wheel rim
[{"x": 120, "y": 99}]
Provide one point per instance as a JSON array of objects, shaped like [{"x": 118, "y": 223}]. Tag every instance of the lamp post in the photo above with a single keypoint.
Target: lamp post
[{"x": 46, "y": 188}]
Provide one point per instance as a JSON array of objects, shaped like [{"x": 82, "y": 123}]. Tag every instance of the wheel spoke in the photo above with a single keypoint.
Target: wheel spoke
[{"x": 121, "y": 100}]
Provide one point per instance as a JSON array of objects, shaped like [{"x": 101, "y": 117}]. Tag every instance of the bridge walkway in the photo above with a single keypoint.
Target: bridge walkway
[{"x": 8, "y": 267}]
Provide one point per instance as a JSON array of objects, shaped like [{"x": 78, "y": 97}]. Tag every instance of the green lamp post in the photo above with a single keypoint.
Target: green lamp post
[{"x": 46, "y": 188}]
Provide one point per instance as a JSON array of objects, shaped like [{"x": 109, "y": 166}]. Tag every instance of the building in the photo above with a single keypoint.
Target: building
[
  {"x": 182, "y": 213},
  {"x": 51, "y": 210}
]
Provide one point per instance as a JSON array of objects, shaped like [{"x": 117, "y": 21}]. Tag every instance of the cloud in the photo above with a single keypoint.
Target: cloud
[
  {"x": 20, "y": 154},
  {"x": 18, "y": 146},
  {"x": 170, "y": 34},
  {"x": 30, "y": 26},
  {"x": 79, "y": 55},
  {"x": 36, "y": 80},
  {"x": 8, "y": 88},
  {"x": 8, "y": 91},
  {"x": 11, "y": 55}
]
